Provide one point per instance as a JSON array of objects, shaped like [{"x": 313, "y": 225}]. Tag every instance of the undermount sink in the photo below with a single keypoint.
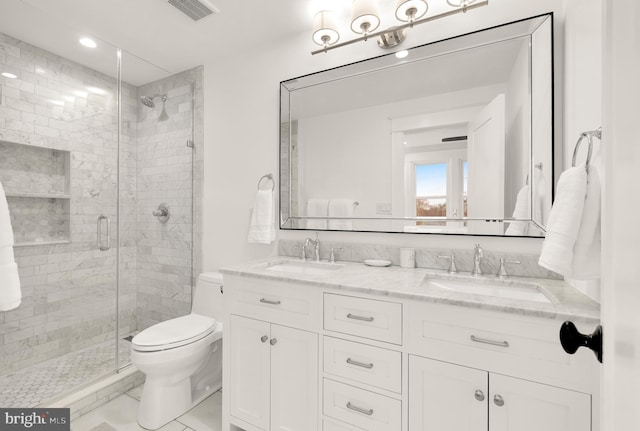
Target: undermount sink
[
  {"x": 303, "y": 267},
  {"x": 507, "y": 289}
]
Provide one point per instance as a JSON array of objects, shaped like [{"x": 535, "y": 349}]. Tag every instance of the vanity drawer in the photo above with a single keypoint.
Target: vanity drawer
[
  {"x": 365, "y": 409},
  {"x": 373, "y": 366},
  {"x": 276, "y": 302},
  {"x": 523, "y": 346},
  {"x": 368, "y": 318}
]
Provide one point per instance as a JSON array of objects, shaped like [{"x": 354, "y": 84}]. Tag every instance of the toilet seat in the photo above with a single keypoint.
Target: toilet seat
[{"x": 174, "y": 333}]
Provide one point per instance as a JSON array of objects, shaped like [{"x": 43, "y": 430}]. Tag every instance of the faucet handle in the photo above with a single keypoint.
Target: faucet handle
[
  {"x": 502, "y": 272},
  {"x": 332, "y": 254},
  {"x": 452, "y": 263}
]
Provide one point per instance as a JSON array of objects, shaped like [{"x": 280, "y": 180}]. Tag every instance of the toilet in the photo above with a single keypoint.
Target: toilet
[{"x": 181, "y": 357}]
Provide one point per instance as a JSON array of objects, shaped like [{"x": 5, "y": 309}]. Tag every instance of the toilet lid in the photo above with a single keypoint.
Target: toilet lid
[{"x": 174, "y": 333}]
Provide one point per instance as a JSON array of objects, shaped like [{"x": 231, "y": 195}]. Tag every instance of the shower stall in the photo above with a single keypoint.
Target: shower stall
[{"x": 101, "y": 164}]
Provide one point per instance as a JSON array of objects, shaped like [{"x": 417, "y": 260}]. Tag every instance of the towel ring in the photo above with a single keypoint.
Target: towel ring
[
  {"x": 268, "y": 177},
  {"x": 589, "y": 135}
]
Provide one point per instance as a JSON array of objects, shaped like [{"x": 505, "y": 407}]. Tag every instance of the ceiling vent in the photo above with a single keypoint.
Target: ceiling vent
[{"x": 194, "y": 9}]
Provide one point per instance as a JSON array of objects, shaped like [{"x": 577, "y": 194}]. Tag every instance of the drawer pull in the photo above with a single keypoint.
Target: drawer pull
[
  {"x": 359, "y": 364},
  {"x": 355, "y": 317},
  {"x": 264, "y": 338},
  {"x": 498, "y": 400},
  {"x": 492, "y": 342},
  {"x": 268, "y": 301},
  {"x": 350, "y": 406}
]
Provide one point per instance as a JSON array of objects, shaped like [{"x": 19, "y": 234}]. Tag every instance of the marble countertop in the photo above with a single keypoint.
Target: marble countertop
[{"x": 565, "y": 302}]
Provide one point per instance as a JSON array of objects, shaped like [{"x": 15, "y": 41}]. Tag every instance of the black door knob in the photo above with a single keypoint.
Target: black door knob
[{"x": 571, "y": 339}]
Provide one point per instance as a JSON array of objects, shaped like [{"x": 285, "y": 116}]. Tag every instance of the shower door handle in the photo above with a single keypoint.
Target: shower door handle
[{"x": 102, "y": 247}]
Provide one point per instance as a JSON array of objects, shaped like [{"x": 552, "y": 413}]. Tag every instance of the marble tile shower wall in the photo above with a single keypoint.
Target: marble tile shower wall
[
  {"x": 165, "y": 175},
  {"x": 425, "y": 257},
  {"x": 68, "y": 289}
]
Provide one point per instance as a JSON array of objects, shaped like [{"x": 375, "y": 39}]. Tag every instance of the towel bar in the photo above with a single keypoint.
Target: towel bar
[
  {"x": 268, "y": 177},
  {"x": 589, "y": 135}
]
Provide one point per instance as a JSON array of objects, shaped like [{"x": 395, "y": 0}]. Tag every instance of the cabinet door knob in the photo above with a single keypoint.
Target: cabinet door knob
[
  {"x": 479, "y": 395},
  {"x": 264, "y": 338},
  {"x": 498, "y": 400},
  {"x": 273, "y": 341}
]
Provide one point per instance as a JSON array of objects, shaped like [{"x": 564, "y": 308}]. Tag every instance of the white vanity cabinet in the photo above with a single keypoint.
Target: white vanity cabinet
[
  {"x": 310, "y": 357},
  {"x": 449, "y": 397},
  {"x": 271, "y": 366}
]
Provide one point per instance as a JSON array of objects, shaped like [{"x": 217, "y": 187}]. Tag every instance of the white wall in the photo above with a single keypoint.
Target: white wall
[
  {"x": 583, "y": 92},
  {"x": 241, "y": 131}
]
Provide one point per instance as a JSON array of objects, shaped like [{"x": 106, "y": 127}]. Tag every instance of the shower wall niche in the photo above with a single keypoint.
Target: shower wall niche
[{"x": 36, "y": 181}]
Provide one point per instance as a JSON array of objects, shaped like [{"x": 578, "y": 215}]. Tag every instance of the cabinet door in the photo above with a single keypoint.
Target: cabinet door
[
  {"x": 446, "y": 397},
  {"x": 529, "y": 406},
  {"x": 294, "y": 379},
  {"x": 249, "y": 370}
]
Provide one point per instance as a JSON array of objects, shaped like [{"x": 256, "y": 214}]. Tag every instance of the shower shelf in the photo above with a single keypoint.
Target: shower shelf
[
  {"x": 36, "y": 181},
  {"x": 38, "y": 195}
]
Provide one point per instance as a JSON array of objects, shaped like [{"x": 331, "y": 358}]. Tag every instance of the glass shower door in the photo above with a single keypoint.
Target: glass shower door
[{"x": 58, "y": 166}]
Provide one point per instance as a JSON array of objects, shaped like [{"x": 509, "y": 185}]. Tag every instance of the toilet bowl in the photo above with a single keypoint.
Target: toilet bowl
[{"x": 181, "y": 357}]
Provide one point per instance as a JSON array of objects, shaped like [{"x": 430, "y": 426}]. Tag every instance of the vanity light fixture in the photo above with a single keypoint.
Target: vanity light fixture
[
  {"x": 9, "y": 75},
  {"x": 460, "y": 3},
  {"x": 365, "y": 20}
]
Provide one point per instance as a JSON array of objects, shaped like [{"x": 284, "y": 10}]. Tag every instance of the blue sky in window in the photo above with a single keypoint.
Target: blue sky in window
[{"x": 431, "y": 180}]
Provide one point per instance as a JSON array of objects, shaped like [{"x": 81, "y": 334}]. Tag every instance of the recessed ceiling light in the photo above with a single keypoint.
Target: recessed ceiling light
[
  {"x": 9, "y": 75},
  {"x": 402, "y": 54},
  {"x": 89, "y": 43}
]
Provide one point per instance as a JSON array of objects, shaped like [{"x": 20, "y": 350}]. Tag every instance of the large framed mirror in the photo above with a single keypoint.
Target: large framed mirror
[{"x": 454, "y": 138}]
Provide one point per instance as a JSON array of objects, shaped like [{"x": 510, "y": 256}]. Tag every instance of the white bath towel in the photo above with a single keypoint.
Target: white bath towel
[
  {"x": 317, "y": 208},
  {"x": 340, "y": 208},
  {"x": 564, "y": 221},
  {"x": 518, "y": 227},
  {"x": 10, "y": 294},
  {"x": 586, "y": 252},
  {"x": 6, "y": 232},
  {"x": 262, "y": 229}
]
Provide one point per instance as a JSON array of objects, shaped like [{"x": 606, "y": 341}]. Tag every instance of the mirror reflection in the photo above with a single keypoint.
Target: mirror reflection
[{"x": 455, "y": 138}]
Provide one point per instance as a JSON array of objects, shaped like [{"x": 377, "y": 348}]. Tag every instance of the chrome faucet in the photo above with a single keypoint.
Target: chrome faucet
[
  {"x": 316, "y": 248},
  {"x": 478, "y": 255}
]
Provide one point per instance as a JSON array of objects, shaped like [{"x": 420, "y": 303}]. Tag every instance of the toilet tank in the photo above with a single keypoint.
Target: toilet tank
[{"x": 207, "y": 298}]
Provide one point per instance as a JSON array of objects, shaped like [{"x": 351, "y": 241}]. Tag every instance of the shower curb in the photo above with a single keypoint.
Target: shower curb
[{"x": 101, "y": 392}]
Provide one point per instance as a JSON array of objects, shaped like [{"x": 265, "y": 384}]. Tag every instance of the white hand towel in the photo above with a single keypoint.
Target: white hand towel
[
  {"x": 518, "y": 227},
  {"x": 6, "y": 232},
  {"x": 317, "y": 208},
  {"x": 586, "y": 252},
  {"x": 262, "y": 229},
  {"x": 564, "y": 221},
  {"x": 10, "y": 294},
  {"x": 340, "y": 208}
]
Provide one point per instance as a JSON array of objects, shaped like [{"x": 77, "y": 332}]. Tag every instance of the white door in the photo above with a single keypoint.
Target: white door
[
  {"x": 446, "y": 397},
  {"x": 521, "y": 405},
  {"x": 249, "y": 370},
  {"x": 294, "y": 379},
  {"x": 621, "y": 206},
  {"x": 485, "y": 146}
]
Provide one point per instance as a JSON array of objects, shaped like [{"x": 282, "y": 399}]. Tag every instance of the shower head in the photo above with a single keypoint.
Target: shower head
[{"x": 148, "y": 101}]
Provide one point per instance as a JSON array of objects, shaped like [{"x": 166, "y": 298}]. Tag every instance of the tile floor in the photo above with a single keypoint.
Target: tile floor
[
  {"x": 38, "y": 383},
  {"x": 120, "y": 413}
]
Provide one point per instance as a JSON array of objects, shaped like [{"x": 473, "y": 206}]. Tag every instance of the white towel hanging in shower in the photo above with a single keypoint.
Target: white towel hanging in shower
[{"x": 10, "y": 293}]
